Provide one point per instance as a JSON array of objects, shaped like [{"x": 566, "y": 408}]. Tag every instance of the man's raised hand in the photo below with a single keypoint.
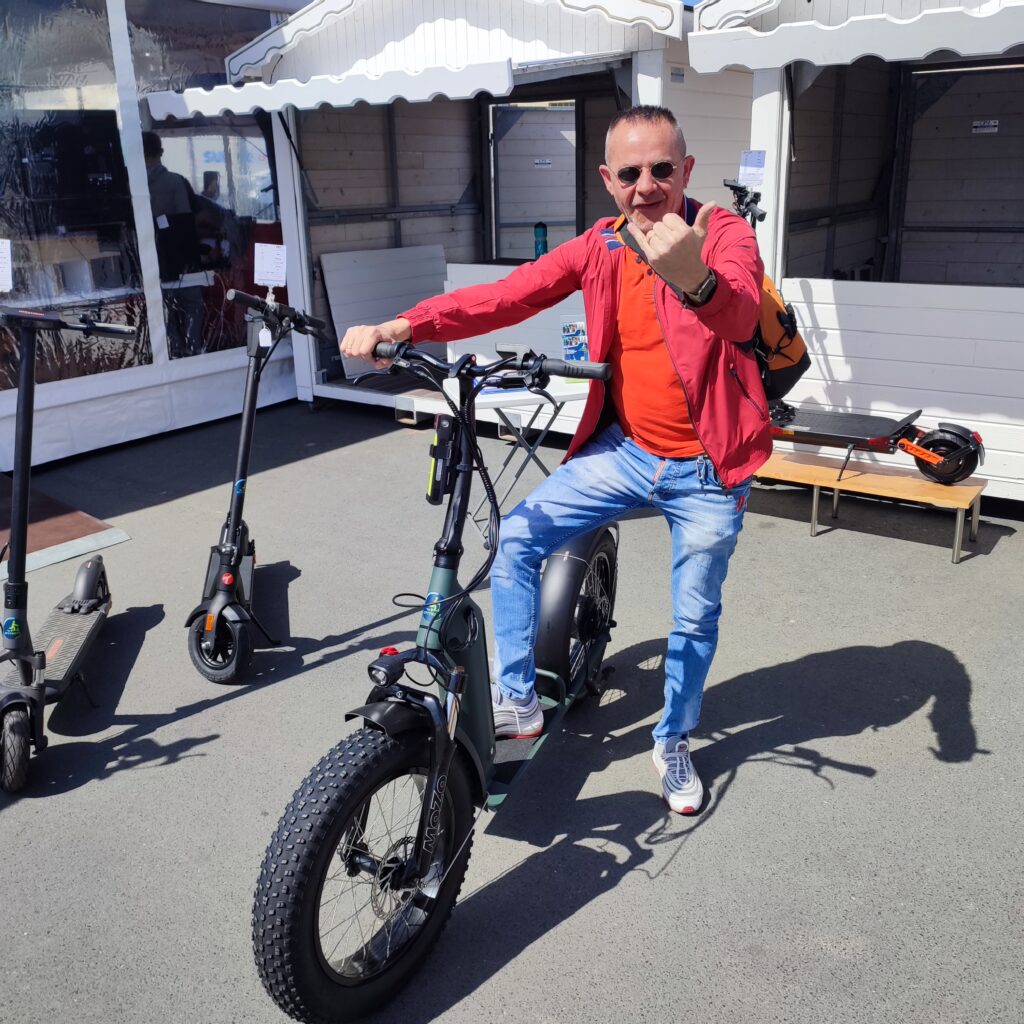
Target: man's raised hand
[{"x": 673, "y": 247}]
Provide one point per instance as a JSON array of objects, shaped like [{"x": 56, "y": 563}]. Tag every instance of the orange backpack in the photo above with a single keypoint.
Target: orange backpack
[{"x": 781, "y": 353}]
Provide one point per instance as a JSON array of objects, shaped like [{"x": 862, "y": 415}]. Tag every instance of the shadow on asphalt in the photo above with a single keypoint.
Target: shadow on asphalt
[
  {"x": 587, "y": 845},
  {"x": 92, "y": 710},
  {"x": 156, "y": 470}
]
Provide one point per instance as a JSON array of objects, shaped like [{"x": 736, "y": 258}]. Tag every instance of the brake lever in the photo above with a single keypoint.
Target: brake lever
[{"x": 389, "y": 371}]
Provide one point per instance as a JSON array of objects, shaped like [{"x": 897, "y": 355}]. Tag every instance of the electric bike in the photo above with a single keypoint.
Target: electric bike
[
  {"x": 948, "y": 454},
  {"x": 42, "y": 667},
  {"x": 367, "y": 861},
  {"x": 220, "y": 628}
]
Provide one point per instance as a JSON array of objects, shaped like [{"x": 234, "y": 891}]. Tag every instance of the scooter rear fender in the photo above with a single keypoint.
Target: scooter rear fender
[
  {"x": 396, "y": 718},
  {"x": 968, "y": 435}
]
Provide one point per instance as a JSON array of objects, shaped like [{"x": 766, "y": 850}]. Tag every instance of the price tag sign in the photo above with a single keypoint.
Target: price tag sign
[
  {"x": 6, "y": 270},
  {"x": 270, "y": 265},
  {"x": 265, "y": 337},
  {"x": 751, "y": 167}
]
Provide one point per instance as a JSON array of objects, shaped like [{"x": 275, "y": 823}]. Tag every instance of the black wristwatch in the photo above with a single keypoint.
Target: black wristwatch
[{"x": 702, "y": 294}]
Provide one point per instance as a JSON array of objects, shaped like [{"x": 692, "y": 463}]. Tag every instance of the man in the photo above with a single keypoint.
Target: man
[
  {"x": 671, "y": 291},
  {"x": 177, "y": 249}
]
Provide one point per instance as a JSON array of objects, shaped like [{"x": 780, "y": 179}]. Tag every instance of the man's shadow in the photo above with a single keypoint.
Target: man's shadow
[
  {"x": 771, "y": 714},
  {"x": 589, "y": 844}
]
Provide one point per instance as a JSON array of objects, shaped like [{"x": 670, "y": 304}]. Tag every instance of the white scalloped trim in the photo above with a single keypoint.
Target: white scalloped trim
[{"x": 495, "y": 78}]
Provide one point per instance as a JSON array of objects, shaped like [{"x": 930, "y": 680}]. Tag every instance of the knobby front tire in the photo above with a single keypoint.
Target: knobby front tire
[{"x": 334, "y": 939}]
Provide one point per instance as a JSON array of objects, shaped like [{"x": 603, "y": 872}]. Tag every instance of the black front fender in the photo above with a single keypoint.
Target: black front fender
[
  {"x": 231, "y": 610},
  {"x": 396, "y": 718}
]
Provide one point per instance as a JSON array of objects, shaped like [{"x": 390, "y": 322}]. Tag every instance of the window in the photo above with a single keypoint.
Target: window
[{"x": 908, "y": 173}]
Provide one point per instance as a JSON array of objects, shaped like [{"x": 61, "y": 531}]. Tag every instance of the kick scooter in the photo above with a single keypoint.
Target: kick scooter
[
  {"x": 41, "y": 667},
  {"x": 220, "y": 627},
  {"x": 368, "y": 858},
  {"x": 947, "y": 455}
]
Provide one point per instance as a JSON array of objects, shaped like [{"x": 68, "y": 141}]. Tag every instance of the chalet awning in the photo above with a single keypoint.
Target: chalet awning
[{"x": 987, "y": 30}]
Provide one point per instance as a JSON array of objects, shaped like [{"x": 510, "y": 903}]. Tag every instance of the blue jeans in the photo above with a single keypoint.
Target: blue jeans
[{"x": 610, "y": 477}]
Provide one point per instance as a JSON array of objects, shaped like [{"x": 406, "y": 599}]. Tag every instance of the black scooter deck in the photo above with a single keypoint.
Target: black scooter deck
[
  {"x": 847, "y": 427},
  {"x": 64, "y": 637}
]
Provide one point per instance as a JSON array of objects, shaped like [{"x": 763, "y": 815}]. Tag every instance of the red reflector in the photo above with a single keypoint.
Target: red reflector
[
  {"x": 389, "y": 650},
  {"x": 976, "y": 436},
  {"x": 227, "y": 579}
]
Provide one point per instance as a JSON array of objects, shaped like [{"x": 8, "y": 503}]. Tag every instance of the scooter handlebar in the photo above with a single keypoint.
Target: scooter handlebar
[
  {"x": 105, "y": 330},
  {"x": 301, "y": 321}
]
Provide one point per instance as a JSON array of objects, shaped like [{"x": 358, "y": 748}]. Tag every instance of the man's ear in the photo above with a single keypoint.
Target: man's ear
[
  {"x": 607, "y": 178},
  {"x": 688, "y": 162}
]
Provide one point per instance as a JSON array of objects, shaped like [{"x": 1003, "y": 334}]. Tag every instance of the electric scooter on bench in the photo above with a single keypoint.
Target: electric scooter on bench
[
  {"x": 42, "y": 666},
  {"x": 220, "y": 628},
  {"x": 948, "y": 454},
  {"x": 366, "y": 862}
]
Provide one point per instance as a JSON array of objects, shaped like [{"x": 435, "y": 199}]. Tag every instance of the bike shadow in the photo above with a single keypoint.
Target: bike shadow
[{"x": 588, "y": 844}]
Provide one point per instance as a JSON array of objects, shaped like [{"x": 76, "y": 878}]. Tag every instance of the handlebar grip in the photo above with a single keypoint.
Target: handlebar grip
[
  {"x": 112, "y": 330},
  {"x": 578, "y": 368},
  {"x": 247, "y": 300},
  {"x": 756, "y": 212},
  {"x": 388, "y": 349}
]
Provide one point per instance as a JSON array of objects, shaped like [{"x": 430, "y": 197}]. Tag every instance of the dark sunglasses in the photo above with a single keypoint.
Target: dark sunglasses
[{"x": 661, "y": 171}]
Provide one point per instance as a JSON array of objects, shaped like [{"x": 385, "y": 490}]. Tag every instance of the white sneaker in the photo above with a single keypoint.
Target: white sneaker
[
  {"x": 515, "y": 719},
  {"x": 680, "y": 784}
]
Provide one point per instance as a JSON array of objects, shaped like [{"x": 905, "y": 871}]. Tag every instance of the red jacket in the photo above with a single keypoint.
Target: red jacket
[{"x": 720, "y": 378}]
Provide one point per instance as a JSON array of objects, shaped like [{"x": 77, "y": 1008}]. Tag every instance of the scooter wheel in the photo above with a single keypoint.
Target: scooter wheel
[
  {"x": 15, "y": 744},
  {"x": 945, "y": 442},
  {"x": 338, "y": 924},
  {"x": 227, "y": 657}
]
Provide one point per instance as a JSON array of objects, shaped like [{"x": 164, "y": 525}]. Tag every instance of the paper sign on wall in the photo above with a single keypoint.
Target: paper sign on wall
[
  {"x": 6, "y": 272},
  {"x": 984, "y": 127},
  {"x": 270, "y": 265},
  {"x": 751, "y": 167}
]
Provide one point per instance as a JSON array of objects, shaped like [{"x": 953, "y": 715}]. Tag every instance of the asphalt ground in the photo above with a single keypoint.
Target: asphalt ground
[{"x": 858, "y": 859}]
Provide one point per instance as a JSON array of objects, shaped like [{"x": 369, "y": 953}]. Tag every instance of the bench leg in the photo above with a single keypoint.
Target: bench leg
[
  {"x": 959, "y": 535},
  {"x": 814, "y": 511},
  {"x": 835, "y": 502},
  {"x": 975, "y": 511}
]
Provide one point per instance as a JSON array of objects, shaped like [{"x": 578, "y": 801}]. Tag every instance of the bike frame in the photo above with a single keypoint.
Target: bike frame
[
  {"x": 451, "y": 640},
  {"x": 460, "y": 713}
]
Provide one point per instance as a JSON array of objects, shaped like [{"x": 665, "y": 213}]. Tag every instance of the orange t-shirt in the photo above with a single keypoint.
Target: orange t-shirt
[{"x": 645, "y": 388}]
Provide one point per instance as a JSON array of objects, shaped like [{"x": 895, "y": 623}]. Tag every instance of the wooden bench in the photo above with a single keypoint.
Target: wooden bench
[{"x": 878, "y": 481}]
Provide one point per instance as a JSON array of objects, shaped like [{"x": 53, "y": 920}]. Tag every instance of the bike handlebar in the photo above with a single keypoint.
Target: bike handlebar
[
  {"x": 300, "y": 321},
  {"x": 580, "y": 369}
]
